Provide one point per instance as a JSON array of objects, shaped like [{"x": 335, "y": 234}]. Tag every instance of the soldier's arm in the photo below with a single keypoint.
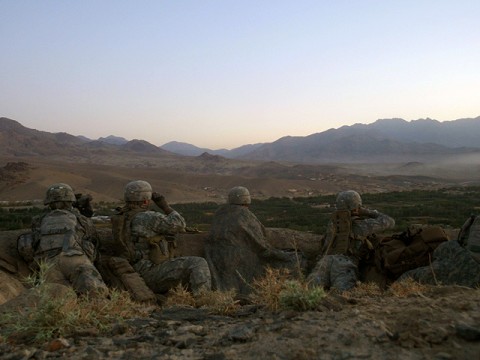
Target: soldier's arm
[
  {"x": 374, "y": 223},
  {"x": 150, "y": 223}
]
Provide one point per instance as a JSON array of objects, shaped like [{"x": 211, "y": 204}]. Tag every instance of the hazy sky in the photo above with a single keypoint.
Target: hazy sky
[{"x": 221, "y": 73}]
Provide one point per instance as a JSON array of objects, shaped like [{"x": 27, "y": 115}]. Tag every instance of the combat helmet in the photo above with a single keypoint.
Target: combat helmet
[
  {"x": 239, "y": 195},
  {"x": 59, "y": 192},
  {"x": 138, "y": 190},
  {"x": 348, "y": 200}
]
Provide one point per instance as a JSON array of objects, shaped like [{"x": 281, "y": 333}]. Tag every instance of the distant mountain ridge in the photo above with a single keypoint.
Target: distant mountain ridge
[
  {"x": 114, "y": 140},
  {"x": 386, "y": 140},
  {"x": 18, "y": 140},
  {"x": 186, "y": 149}
]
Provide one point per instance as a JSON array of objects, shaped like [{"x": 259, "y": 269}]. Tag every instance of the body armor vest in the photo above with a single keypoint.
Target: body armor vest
[{"x": 58, "y": 232}]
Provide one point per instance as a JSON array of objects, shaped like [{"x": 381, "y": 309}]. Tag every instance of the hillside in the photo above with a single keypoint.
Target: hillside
[{"x": 31, "y": 160}]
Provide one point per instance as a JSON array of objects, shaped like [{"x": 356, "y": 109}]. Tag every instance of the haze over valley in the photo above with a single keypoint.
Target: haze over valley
[{"x": 387, "y": 155}]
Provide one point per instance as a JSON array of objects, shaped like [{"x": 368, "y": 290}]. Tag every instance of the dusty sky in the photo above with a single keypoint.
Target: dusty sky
[{"x": 222, "y": 73}]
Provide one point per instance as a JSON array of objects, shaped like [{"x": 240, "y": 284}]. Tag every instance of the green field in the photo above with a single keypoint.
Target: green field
[{"x": 448, "y": 207}]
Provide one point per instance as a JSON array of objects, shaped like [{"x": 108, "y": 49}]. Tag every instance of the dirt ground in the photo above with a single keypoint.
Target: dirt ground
[{"x": 436, "y": 323}]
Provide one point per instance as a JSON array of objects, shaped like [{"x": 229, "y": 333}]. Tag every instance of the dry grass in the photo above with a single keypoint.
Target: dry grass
[
  {"x": 266, "y": 290},
  {"x": 368, "y": 289},
  {"x": 406, "y": 287},
  {"x": 179, "y": 296},
  {"x": 219, "y": 302},
  {"x": 51, "y": 315},
  {"x": 275, "y": 291},
  {"x": 216, "y": 302}
]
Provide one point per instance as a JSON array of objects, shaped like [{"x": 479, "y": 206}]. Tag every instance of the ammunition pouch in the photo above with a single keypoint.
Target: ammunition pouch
[{"x": 158, "y": 249}]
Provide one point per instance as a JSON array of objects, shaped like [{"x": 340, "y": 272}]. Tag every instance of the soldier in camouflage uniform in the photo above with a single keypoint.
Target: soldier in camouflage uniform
[
  {"x": 455, "y": 262},
  {"x": 346, "y": 243},
  {"x": 67, "y": 241},
  {"x": 236, "y": 248},
  {"x": 145, "y": 238}
]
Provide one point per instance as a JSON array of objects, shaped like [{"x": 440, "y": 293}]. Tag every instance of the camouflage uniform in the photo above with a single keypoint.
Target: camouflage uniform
[
  {"x": 340, "y": 270},
  {"x": 141, "y": 236},
  {"x": 70, "y": 257},
  {"x": 191, "y": 271},
  {"x": 237, "y": 251}
]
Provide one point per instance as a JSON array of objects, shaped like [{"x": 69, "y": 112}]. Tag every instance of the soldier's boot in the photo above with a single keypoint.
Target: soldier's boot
[
  {"x": 131, "y": 279},
  {"x": 200, "y": 278}
]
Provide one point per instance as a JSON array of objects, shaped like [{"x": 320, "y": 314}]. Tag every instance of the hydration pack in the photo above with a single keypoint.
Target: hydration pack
[
  {"x": 339, "y": 240},
  {"x": 122, "y": 237}
]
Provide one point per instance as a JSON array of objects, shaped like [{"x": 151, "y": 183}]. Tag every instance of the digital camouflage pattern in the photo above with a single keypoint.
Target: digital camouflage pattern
[
  {"x": 334, "y": 272},
  {"x": 469, "y": 236},
  {"x": 348, "y": 200},
  {"x": 190, "y": 271},
  {"x": 237, "y": 251},
  {"x": 340, "y": 271},
  {"x": 375, "y": 222},
  {"x": 239, "y": 195},
  {"x": 152, "y": 259},
  {"x": 137, "y": 190},
  {"x": 452, "y": 264},
  {"x": 67, "y": 241},
  {"x": 59, "y": 192},
  {"x": 151, "y": 223}
]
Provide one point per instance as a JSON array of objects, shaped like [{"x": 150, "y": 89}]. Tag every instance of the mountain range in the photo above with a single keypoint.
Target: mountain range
[{"x": 386, "y": 140}]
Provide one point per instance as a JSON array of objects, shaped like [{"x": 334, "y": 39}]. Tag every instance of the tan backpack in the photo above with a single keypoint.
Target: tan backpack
[{"x": 408, "y": 250}]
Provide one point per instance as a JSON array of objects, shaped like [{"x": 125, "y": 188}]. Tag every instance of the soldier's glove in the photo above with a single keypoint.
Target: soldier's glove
[
  {"x": 160, "y": 201},
  {"x": 367, "y": 212},
  {"x": 83, "y": 204}
]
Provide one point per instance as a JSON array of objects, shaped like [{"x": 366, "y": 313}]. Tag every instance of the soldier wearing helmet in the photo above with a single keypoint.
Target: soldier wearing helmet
[
  {"x": 347, "y": 243},
  {"x": 59, "y": 196},
  {"x": 236, "y": 248},
  {"x": 146, "y": 239},
  {"x": 239, "y": 195},
  {"x": 67, "y": 241}
]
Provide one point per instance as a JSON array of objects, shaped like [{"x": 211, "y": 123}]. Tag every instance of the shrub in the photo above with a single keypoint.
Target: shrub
[
  {"x": 277, "y": 291},
  {"x": 298, "y": 296}
]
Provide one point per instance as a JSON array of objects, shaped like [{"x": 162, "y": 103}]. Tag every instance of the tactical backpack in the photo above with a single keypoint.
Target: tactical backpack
[
  {"x": 55, "y": 232},
  {"x": 469, "y": 236},
  {"x": 408, "y": 250}
]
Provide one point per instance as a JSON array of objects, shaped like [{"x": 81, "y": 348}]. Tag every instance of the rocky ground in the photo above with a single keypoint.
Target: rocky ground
[{"x": 434, "y": 323}]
